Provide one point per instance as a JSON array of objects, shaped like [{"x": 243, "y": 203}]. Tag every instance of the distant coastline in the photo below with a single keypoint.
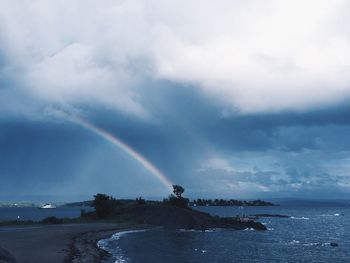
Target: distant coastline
[{"x": 231, "y": 202}]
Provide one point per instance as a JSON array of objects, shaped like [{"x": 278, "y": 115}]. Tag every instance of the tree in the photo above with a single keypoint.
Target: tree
[
  {"x": 178, "y": 190},
  {"x": 176, "y": 199},
  {"x": 101, "y": 204},
  {"x": 104, "y": 205}
]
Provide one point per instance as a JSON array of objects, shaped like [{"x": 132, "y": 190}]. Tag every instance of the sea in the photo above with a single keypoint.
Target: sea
[
  {"x": 36, "y": 214},
  {"x": 304, "y": 237}
]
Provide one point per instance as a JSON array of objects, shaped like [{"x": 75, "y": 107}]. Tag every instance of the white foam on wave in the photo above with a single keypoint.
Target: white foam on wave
[
  {"x": 329, "y": 215},
  {"x": 293, "y": 242},
  {"x": 317, "y": 244},
  {"x": 300, "y": 218},
  {"x": 199, "y": 231},
  {"x": 116, "y": 251},
  {"x": 311, "y": 244},
  {"x": 200, "y": 250},
  {"x": 189, "y": 230}
]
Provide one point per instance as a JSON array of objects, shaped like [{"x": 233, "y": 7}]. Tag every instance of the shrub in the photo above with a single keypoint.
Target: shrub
[
  {"x": 140, "y": 201},
  {"x": 176, "y": 201},
  {"x": 52, "y": 220}
]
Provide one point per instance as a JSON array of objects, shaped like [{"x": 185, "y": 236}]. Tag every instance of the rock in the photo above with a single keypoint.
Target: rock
[
  {"x": 6, "y": 257},
  {"x": 334, "y": 244},
  {"x": 185, "y": 218}
]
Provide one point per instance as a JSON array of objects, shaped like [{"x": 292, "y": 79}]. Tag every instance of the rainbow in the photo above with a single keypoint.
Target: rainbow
[{"x": 126, "y": 148}]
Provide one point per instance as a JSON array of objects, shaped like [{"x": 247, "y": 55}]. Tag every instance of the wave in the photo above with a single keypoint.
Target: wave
[
  {"x": 311, "y": 244},
  {"x": 336, "y": 214},
  {"x": 293, "y": 242},
  {"x": 115, "y": 250},
  {"x": 300, "y": 218},
  {"x": 317, "y": 244},
  {"x": 201, "y": 250},
  {"x": 189, "y": 230},
  {"x": 199, "y": 231}
]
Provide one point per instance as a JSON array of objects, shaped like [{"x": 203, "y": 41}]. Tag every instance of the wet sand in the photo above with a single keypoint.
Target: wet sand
[{"x": 55, "y": 243}]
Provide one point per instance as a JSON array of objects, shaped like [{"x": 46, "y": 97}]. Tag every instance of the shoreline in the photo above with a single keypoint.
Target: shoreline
[
  {"x": 77, "y": 242},
  {"x": 84, "y": 247},
  {"x": 58, "y": 243}
]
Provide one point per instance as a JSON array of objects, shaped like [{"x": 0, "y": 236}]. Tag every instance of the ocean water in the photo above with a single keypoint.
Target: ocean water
[
  {"x": 305, "y": 237},
  {"x": 36, "y": 214}
]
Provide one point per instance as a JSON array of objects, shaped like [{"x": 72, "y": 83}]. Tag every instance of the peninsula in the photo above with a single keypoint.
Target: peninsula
[{"x": 75, "y": 240}]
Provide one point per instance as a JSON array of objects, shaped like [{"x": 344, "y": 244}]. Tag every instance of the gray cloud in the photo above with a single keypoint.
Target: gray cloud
[
  {"x": 256, "y": 57},
  {"x": 237, "y": 97}
]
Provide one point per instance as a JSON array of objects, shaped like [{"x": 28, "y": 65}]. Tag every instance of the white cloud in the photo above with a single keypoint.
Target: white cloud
[
  {"x": 65, "y": 53},
  {"x": 216, "y": 163},
  {"x": 251, "y": 55},
  {"x": 261, "y": 56}
]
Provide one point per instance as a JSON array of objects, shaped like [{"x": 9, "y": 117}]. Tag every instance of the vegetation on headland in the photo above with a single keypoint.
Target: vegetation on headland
[
  {"x": 176, "y": 199},
  {"x": 173, "y": 212}
]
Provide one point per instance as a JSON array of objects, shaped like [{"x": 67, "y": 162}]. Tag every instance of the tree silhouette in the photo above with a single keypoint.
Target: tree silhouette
[
  {"x": 178, "y": 190},
  {"x": 104, "y": 205},
  {"x": 176, "y": 199}
]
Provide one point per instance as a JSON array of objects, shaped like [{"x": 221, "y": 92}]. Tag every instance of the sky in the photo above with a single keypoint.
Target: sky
[{"x": 230, "y": 99}]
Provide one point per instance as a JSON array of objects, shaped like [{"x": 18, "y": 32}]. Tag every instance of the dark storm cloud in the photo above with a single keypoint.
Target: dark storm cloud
[
  {"x": 287, "y": 130},
  {"x": 189, "y": 128},
  {"x": 287, "y": 151},
  {"x": 184, "y": 110}
]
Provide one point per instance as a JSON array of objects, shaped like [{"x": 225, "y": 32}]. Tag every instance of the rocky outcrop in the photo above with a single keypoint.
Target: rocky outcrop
[{"x": 185, "y": 218}]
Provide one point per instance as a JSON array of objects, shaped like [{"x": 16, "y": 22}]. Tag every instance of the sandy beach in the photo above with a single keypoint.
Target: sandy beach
[{"x": 55, "y": 243}]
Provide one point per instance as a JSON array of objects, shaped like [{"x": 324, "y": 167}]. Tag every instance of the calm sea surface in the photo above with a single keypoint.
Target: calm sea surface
[
  {"x": 305, "y": 237},
  {"x": 35, "y": 214}
]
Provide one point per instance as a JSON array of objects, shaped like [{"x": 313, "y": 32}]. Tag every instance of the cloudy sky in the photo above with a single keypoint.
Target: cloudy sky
[{"x": 232, "y": 99}]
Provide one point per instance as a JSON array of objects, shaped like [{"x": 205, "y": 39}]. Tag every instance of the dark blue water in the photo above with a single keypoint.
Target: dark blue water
[
  {"x": 36, "y": 214},
  {"x": 305, "y": 237}
]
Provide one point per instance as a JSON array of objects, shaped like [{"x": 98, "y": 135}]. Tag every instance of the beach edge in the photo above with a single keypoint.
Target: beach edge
[{"x": 84, "y": 246}]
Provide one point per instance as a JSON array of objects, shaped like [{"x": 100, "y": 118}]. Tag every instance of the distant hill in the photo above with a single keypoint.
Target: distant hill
[{"x": 78, "y": 204}]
